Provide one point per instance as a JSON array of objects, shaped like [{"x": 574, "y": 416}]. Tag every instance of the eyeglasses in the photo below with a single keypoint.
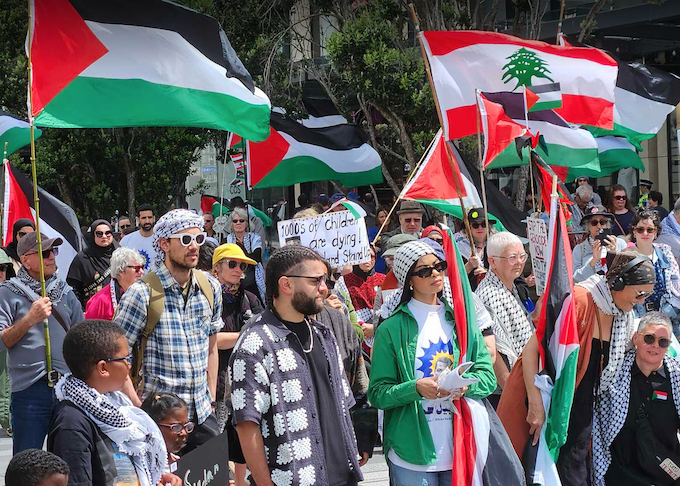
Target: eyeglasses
[
  {"x": 640, "y": 230},
  {"x": 412, "y": 220},
  {"x": 127, "y": 359},
  {"x": 238, "y": 220},
  {"x": 46, "y": 253},
  {"x": 101, "y": 234},
  {"x": 512, "y": 259},
  {"x": 478, "y": 224},
  {"x": 620, "y": 198},
  {"x": 426, "y": 272},
  {"x": 186, "y": 239},
  {"x": 4, "y": 267},
  {"x": 319, "y": 280},
  {"x": 21, "y": 234},
  {"x": 124, "y": 226},
  {"x": 138, "y": 268},
  {"x": 651, "y": 338},
  {"x": 178, "y": 428},
  {"x": 600, "y": 222},
  {"x": 641, "y": 295},
  {"x": 233, "y": 263}
]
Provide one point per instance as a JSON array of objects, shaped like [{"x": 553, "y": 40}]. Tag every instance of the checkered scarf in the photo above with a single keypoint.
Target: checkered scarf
[
  {"x": 171, "y": 223},
  {"x": 24, "y": 284}
]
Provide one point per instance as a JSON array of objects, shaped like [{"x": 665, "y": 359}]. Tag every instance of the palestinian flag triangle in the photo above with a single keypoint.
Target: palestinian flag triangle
[
  {"x": 294, "y": 153},
  {"x": 15, "y": 132},
  {"x": 56, "y": 218},
  {"x": 144, "y": 63}
]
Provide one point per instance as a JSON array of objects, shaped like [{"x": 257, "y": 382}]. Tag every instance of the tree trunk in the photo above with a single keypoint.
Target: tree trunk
[
  {"x": 404, "y": 136},
  {"x": 128, "y": 165},
  {"x": 589, "y": 22}
]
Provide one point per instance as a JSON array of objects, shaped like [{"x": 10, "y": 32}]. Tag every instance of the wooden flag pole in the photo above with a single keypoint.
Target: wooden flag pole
[
  {"x": 531, "y": 170},
  {"x": 478, "y": 117},
  {"x": 36, "y": 200},
  {"x": 441, "y": 123}
]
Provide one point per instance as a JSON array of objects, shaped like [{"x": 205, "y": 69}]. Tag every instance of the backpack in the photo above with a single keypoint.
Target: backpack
[{"x": 153, "y": 315}]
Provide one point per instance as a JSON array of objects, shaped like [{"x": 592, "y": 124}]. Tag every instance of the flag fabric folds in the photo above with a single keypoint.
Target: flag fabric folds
[
  {"x": 211, "y": 204},
  {"x": 15, "y": 132},
  {"x": 498, "y": 129},
  {"x": 352, "y": 206},
  {"x": 463, "y": 61},
  {"x": 294, "y": 153},
  {"x": 144, "y": 63},
  {"x": 56, "y": 218}
]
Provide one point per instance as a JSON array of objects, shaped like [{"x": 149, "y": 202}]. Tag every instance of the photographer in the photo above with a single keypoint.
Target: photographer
[{"x": 598, "y": 222}]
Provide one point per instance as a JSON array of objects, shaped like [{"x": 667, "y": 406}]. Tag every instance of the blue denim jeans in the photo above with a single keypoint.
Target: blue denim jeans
[
  {"x": 400, "y": 476},
  {"x": 31, "y": 414}
]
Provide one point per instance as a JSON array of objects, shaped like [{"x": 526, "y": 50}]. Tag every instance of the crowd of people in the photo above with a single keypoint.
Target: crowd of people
[{"x": 175, "y": 335}]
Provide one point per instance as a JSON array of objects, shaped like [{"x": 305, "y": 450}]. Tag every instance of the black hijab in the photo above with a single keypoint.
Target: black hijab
[{"x": 11, "y": 249}]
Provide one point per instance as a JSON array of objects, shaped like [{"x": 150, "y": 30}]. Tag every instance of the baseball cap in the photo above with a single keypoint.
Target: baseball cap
[
  {"x": 231, "y": 251},
  {"x": 30, "y": 243},
  {"x": 395, "y": 242}
]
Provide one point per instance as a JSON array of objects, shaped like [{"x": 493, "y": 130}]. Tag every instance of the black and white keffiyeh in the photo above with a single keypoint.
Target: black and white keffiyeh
[
  {"x": 169, "y": 224},
  {"x": 129, "y": 427},
  {"x": 511, "y": 324},
  {"x": 611, "y": 411},
  {"x": 25, "y": 285},
  {"x": 623, "y": 327}
]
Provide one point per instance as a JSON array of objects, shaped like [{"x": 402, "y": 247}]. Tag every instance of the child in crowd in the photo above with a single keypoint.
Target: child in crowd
[
  {"x": 172, "y": 416},
  {"x": 34, "y": 467},
  {"x": 103, "y": 438}
]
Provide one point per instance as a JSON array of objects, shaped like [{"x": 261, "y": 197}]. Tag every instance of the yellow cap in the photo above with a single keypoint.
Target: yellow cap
[{"x": 231, "y": 251}]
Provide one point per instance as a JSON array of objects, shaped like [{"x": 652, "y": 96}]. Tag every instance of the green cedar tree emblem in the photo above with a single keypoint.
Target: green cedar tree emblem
[{"x": 524, "y": 65}]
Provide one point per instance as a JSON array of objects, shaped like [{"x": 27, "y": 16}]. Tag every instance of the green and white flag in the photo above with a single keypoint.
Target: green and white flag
[{"x": 15, "y": 132}]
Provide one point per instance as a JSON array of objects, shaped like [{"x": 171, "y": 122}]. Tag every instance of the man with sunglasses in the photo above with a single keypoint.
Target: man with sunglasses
[
  {"x": 178, "y": 353},
  {"x": 22, "y": 313}
]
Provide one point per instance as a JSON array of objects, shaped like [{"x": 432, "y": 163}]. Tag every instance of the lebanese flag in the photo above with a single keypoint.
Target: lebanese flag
[
  {"x": 464, "y": 61},
  {"x": 558, "y": 343},
  {"x": 57, "y": 220},
  {"x": 117, "y": 63}
]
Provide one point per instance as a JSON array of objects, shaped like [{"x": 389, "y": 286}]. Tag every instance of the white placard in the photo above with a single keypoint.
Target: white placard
[
  {"x": 338, "y": 237},
  {"x": 537, "y": 232}
]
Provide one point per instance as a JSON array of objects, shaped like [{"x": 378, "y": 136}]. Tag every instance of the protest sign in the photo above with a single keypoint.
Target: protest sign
[
  {"x": 338, "y": 237},
  {"x": 537, "y": 232},
  {"x": 206, "y": 465}
]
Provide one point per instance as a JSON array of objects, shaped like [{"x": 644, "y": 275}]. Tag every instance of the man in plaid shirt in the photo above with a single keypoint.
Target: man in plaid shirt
[{"x": 181, "y": 353}]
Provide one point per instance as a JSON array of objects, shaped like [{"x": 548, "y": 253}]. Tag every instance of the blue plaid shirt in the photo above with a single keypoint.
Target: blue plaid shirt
[{"x": 176, "y": 355}]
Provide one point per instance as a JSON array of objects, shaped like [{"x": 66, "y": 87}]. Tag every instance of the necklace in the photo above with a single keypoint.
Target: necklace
[{"x": 311, "y": 339}]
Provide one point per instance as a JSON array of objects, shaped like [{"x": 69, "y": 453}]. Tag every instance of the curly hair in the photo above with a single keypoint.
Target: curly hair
[
  {"x": 33, "y": 466},
  {"x": 89, "y": 342},
  {"x": 287, "y": 259},
  {"x": 643, "y": 214}
]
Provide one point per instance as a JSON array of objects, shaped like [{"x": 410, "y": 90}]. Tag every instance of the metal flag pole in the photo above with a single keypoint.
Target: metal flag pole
[
  {"x": 478, "y": 116},
  {"x": 36, "y": 199}
]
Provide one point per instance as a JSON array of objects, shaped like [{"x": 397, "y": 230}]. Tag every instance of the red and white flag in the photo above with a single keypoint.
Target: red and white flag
[{"x": 465, "y": 61}]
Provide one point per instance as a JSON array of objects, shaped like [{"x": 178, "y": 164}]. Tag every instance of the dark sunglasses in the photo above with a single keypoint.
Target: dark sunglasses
[
  {"x": 650, "y": 338},
  {"x": 620, "y": 198},
  {"x": 127, "y": 359},
  {"x": 238, "y": 220},
  {"x": 480, "y": 224},
  {"x": 412, "y": 220},
  {"x": 4, "y": 267},
  {"x": 46, "y": 253},
  {"x": 21, "y": 234},
  {"x": 138, "y": 268},
  {"x": 639, "y": 230},
  {"x": 319, "y": 280},
  {"x": 178, "y": 428},
  {"x": 233, "y": 263},
  {"x": 601, "y": 222},
  {"x": 101, "y": 234},
  {"x": 124, "y": 226},
  {"x": 426, "y": 272}
]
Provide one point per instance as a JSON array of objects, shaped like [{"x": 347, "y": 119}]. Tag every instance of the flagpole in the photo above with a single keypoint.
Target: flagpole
[
  {"x": 481, "y": 162},
  {"x": 441, "y": 123},
  {"x": 2, "y": 193},
  {"x": 224, "y": 167},
  {"x": 36, "y": 199},
  {"x": 531, "y": 171}
]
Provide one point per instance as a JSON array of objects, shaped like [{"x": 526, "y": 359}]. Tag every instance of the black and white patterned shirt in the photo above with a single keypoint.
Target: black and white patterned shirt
[{"x": 272, "y": 386}]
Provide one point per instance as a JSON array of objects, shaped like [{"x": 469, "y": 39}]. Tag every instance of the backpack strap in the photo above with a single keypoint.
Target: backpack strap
[{"x": 205, "y": 287}]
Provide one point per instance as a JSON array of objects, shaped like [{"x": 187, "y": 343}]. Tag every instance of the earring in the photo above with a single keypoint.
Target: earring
[{"x": 410, "y": 287}]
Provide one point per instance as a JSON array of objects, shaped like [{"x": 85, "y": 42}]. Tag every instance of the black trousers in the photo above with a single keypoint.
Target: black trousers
[{"x": 202, "y": 433}]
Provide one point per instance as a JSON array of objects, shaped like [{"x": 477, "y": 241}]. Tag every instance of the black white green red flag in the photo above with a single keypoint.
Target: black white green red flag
[
  {"x": 119, "y": 63},
  {"x": 15, "y": 132}
]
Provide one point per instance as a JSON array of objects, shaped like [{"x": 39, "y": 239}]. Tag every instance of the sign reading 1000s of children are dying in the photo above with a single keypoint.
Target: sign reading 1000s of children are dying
[{"x": 338, "y": 237}]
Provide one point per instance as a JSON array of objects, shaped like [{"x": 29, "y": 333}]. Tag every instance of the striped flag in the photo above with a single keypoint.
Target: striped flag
[
  {"x": 211, "y": 204},
  {"x": 613, "y": 153},
  {"x": 464, "y": 61},
  {"x": 351, "y": 206},
  {"x": 119, "y": 63},
  {"x": 15, "y": 132},
  {"x": 557, "y": 336},
  {"x": 549, "y": 97},
  {"x": 499, "y": 130}
]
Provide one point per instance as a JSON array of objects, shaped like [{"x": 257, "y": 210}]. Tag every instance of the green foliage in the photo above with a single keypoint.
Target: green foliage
[{"x": 524, "y": 65}]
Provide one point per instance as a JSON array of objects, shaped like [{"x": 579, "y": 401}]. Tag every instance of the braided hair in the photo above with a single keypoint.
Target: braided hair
[{"x": 283, "y": 261}]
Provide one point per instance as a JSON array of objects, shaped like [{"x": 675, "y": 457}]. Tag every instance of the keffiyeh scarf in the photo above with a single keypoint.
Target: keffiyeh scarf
[
  {"x": 611, "y": 411},
  {"x": 623, "y": 328},
  {"x": 670, "y": 225},
  {"x": 25, "y": 285},
  {"x": 169, "y": 224},
  {"x": 130, "y": 428},
  {"x": 511, "y": 324}
]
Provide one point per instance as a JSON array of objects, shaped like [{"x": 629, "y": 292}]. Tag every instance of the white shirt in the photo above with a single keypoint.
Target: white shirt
[
  {"x": 434, "y": 352},
  {"x": 143, "y": 244}
]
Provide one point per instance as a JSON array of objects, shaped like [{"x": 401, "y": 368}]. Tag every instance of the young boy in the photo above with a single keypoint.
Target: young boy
[
  {"x": 103, "y": 438},
  {"x": 34, "y": 467}
]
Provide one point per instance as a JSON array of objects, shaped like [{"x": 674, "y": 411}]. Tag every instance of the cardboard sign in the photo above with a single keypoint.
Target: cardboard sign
[
  {"x": 537, "y": 232},
  {"x": 338, "y": 237},
  {"x": 206, "y": 465}
]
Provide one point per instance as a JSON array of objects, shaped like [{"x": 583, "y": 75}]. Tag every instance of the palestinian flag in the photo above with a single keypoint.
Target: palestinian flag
[
  {"x": 464, "y": 61},
  {"x": 211, "y": 204},
  {"x": 320, "y": 108},
  {"x": 119, "y": 63},
  {"x": 549, "y": 97},
  {"x": 352, "y": 206},
  {"x": 614, "y": 154},
  {"x": 294, "y": 153},
  {"x": 557, "y": 336},
  {"x": 15, "y": 132},
  {"x": 56, "y": 218}
]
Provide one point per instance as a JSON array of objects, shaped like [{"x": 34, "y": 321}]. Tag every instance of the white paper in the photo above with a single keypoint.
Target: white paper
[{"x": 451, "y": 380}]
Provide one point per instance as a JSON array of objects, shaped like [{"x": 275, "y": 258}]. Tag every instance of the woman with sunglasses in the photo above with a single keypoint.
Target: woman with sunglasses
[
  {"x": 597, "y": 221},
  {"x": 619, "y": 205},
  {"x": 411, "y": 346},
  {"x": 127, "y": 266},
  {"x": 475, "y": 265},
  {"x": 250, "y": 242},
  {"x": 90, "y": 270},
  {"x": 605, "y": 324},
  {"x": 636, "y": 423},
  {"x": 666, "y": 296}
]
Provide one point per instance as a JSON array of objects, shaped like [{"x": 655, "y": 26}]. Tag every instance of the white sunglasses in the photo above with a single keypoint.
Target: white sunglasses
[{"x": 186, "y": 239}]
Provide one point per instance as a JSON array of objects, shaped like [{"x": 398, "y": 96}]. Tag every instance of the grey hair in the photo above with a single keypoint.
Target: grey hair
[
  {"x": 237, "y": 212},
  {"x": 655, "y": 317},
  {"x": 499, "y": 241},
  {"x": 585, "y": 191},
  {"x": 122, "y": 257},
  {"x": 676, "y": 207}
]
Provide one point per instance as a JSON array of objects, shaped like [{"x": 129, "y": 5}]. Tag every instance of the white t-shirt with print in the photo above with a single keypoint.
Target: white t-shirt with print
[
  {"x": 143, "y": 245},
  {"x": 434, "y": 353}
]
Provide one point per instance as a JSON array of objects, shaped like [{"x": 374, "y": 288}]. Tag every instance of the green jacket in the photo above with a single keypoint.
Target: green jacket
[{"x": 393, "y": 384}]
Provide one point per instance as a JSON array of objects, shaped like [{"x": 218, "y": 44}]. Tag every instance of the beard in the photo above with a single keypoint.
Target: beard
[
  {"x": 180, "y": 264},
  {"x": 305, "y": 304},
  {"x": 147, "y": 226}
]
